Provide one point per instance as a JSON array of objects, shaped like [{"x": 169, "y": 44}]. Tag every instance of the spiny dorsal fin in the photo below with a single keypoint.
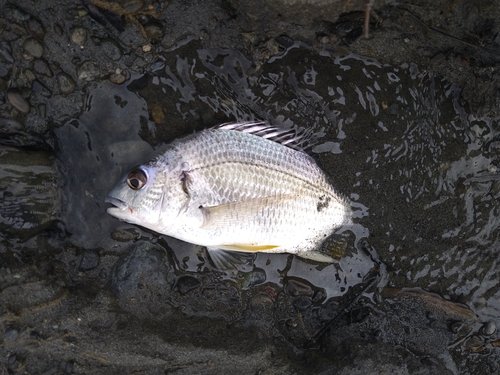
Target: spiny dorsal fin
[{"x": 296, "y": 138}]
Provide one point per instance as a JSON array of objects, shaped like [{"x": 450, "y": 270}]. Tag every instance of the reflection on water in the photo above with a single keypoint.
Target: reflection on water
[{"x": 422, "y": 172}]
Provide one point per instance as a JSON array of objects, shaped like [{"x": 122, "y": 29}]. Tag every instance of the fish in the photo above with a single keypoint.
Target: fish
[{"x": 245, "y": 187}]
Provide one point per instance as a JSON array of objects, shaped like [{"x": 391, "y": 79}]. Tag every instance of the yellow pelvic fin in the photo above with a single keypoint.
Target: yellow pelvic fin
[{"x": 247, "y": 247}]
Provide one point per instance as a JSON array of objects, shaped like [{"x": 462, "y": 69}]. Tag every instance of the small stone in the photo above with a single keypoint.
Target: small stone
[
  {"x": 296, "y": 287},
  {"x": 125, "y": 234},
  {"x": 489, "y": 328},
  {"x": 33, "y": 48},
  {"x": 36, "y": 28},
  {"x": 261, "y": 300},
  {"x": 58, "y": 29},
  {"x": 186, "y": 283},
  {"x": 117, "y": 78},
  {"x": 30, "y": 75},
  {"x": 153, "y": 31},
  {"x": 65, "y": 83},
  {"x": 79, "y": 36},
  {"x": 42, "y": 68},
  {"x": 17, "y": 101},
  {"x": 68, "y": 368},
  {"x": 6, "y": 59},
  {"x": 11, "y": 334},
  {"x": 82, "y": 12},
  {"x": 90, "y": 260},
  {"x": 88, "y": 71},
  {"x": 146, "y": 48},
  {"x": 111, "y": 49},
  {"x": 157, "y": 114},
  {"x": 302, "y": 303}
]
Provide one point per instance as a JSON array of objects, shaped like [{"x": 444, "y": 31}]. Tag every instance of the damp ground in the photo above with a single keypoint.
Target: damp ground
[{"x": 407, "y": 124}]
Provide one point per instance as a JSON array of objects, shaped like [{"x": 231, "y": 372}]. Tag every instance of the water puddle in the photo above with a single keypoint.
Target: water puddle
[{"x": 421, "y": 171}]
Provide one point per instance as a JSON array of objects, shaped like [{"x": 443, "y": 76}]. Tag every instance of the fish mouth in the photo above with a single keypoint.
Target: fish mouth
[{"x": 119, "y": 206}]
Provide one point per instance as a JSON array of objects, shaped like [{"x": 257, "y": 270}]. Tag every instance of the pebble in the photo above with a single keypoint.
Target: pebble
[
  {"x": 125, "y": 234},
  {"x": 90, "y": 260},
  {"x": 296, "y": 286},
  {"x": 153, "y": 31},
  {"x": 11, "y": 334},
  {"x": 157, "y": 114},
  {"x": 65, "y": 83},
  {"x": 111, "y": 49},
  {"x": 6, "y": 59},
  {"x": 33, "y": 48},
  {"x": 302, "y": 303},
  {"x": 261, "y": 300},
  {"x": 88, "y": 71},
  {"x": 117, "y": 78},
  {"x": 489, "y": 328},
  {"x": 42, "y": 68},
  {"x": 79, "y": 36},
  {"x": 17, "y": 101},
  {"x": 30, "y": 75},
  {"x": 68, "y": 368},
  {"x": 186, "y": 283},
  {"x": 36, "y": 28}
]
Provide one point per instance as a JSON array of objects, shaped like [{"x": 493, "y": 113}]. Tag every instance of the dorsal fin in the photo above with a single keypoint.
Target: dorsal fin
[{"x": 296, "y": 138}]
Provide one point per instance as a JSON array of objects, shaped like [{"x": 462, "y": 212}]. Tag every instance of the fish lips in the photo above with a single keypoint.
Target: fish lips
[{"x": 120, "y": 207}]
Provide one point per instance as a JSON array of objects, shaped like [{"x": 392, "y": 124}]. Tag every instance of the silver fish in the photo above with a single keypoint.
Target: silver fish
[{"x": 238, "y": 187}]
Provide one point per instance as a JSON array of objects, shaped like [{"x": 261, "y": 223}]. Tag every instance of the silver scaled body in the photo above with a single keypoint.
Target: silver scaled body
[{"x": 228, "y": 188}]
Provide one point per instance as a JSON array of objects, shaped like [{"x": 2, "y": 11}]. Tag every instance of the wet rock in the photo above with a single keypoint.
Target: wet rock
[
  {"x": 6, "y": 59},
  {"x": 117, "y": 78},
  {"x": 125, "y": 234},
  {"x": 261, "y": 307},
  {"x": 489, "y": 328},
  {"x": 153, "y": 31},
  {"x": 36, "y": 28},
  {"x": 157, "y": 114},
  {"x": 79, "y": 36},
  {"x": 111, "y": 49},
  {"x": 65, "y": 83},
  {"x": 302, "y": 303},
  {"x": 29, "y": 201},
  {"x": 17, "y": 101},
  {"x": 11, "y": 334},
  {"x": 187, "y": 283},
  {"x": 41, "y": 67},
  {"x": 40, "y": 88},
  {"x": 33, "y": 48},
  {"x": 297, "y": 12},
  {"x": 142, "y": 280},
  {"x": 88, "y": 71},
  {"x": 295, "y": 287},
  {"x": 429, "y": 321},
  {"x": 68, "y": 367},
  {"x": 125, "y": 153},
  {"x": 90, "y": 260}
]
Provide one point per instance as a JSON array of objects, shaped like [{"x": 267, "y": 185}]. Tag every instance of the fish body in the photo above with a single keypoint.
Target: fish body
[{"x": 237, "y": 187}]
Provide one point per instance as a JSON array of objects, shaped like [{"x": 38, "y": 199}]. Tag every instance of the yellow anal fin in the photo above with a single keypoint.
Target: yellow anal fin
[{"x": 247, "y": 247}]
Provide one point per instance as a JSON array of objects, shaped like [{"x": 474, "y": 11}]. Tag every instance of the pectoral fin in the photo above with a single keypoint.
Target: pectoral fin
[{"x": 231, "y": 261}]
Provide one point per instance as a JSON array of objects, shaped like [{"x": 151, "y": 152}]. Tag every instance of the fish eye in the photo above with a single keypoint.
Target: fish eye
[{"x": 137, "y": 179}]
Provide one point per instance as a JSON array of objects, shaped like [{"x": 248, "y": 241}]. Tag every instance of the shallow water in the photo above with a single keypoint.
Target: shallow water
[{"x": 421, "y": 171}]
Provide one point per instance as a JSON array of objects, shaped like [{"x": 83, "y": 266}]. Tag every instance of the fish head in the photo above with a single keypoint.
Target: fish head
[{"x": 138, "y": 196}]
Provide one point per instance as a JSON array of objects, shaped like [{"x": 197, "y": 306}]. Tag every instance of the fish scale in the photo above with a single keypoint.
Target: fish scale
[{"x": 230, "y": 188}]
